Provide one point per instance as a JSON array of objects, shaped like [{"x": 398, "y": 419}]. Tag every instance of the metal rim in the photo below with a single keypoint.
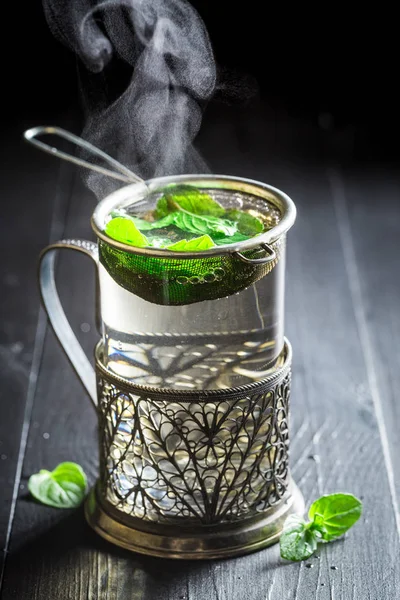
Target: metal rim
[
  {"x": 262, "y": 190},
  {"x": 240, "y": 538},
  {"x": 195, "y": 395}
]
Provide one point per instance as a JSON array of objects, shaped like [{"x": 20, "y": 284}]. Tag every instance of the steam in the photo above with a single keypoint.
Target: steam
[{"x": 150, "y": 126}]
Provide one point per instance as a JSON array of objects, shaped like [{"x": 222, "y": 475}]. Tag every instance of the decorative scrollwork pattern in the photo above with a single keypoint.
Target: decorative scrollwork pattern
[{"x": 211, "y": 461}]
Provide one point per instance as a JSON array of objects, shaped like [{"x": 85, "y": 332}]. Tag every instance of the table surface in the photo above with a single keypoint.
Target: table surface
[{"x": 342, "y": 318}]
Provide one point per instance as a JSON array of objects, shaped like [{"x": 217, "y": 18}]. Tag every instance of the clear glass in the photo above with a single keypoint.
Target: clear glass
[{"x": 211, "y": 344}]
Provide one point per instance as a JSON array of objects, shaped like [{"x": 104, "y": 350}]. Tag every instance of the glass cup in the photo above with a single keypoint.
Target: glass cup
[
  {"x": 206, "y": 320},
  {"x": 192, "y": 379}
]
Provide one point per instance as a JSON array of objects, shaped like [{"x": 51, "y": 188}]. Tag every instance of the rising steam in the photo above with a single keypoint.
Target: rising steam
[{"x": 151, "y": 125}]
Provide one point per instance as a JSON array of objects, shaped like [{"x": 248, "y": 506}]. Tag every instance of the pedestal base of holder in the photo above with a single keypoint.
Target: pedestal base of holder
[{"x": 167, "y": 541}]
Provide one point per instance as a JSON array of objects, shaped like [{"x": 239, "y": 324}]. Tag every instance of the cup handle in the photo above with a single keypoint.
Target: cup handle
[{"x": 56, "y": 314}]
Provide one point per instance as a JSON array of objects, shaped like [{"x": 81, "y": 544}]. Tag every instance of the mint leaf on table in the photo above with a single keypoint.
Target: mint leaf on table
[
  {"x": 297, "y": 541},
  {"x": 123, "y": 229},
  {"x": 330, "y": 517},
  {"x": 335, "y": 514},
  {"x": 200, "y": 243},
  {"x": 65, "y": 487},
  {"x": 188, "y": 198}
]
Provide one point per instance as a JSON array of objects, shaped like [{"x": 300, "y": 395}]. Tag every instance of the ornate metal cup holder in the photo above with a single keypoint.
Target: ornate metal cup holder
[
  {"x": 193, "y": 474},
  {"x": 187, "y": 474}
]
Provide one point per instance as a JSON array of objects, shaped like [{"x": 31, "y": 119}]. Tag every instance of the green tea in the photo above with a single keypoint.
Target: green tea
[
  {"x": 183, "y": 322},
  {"x": 185, "y": 219}
]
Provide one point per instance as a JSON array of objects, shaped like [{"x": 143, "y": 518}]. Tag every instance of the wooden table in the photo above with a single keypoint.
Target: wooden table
[{"x": 342, "y": 317}]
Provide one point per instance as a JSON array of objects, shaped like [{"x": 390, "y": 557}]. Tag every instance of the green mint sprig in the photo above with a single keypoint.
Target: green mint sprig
[
  {"x": 330, "y": 517},
  {"x": 65, "y": 487},
  {"x": 190, "y": 210}
]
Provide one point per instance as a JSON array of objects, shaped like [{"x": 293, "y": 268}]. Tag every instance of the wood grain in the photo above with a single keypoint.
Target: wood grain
[
  {"x": 31, "y": 214},
  {"x": 371, "y": 202}
]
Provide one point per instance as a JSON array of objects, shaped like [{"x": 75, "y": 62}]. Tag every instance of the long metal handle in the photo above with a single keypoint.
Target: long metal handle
[
  {"x": 271, "y": 256},
  {"x": 56, "y": 314},
  {"x": 121, "y": 172}
]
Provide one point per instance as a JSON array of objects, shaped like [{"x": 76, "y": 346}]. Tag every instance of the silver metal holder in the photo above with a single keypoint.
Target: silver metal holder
[
  {"x": 185, "y": 473},
  {"x": 193, "y": 474}
]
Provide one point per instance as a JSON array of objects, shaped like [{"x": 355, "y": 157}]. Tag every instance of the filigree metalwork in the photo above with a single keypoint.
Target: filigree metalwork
[{"x": 166, "y": 458}]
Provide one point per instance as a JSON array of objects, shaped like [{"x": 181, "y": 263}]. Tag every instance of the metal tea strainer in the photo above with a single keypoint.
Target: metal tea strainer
[{"x": 163, "y": 276}]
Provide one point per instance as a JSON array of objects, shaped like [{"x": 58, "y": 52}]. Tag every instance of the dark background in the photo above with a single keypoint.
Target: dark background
[{"x": 329, "y": 67}]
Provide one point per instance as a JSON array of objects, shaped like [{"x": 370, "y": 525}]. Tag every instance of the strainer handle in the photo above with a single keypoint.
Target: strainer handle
[
  {"x": 56, "y": 314},
  {"x": 271, "y": 256},
  {"x": 118, "y": 171}
]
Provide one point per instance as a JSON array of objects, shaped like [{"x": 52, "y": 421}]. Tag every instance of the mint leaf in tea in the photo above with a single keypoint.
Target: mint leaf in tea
[
  {"x": 151, "y": 340},
  {"x": 125, "y": 230},
  {"x": 188, "y": 198},
  {"x": 188, "y": 221},
  {"x": 185, "y": 219}
]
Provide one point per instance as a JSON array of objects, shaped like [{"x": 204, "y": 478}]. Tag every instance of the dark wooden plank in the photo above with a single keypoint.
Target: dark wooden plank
[
  {"x": 368, "y": 202},
  {"x": 54, "y": 554},
  {"x": 338, "y": 424},
  {"x": 47, "y": 542},
  {"x": 61, "y": 413},
  {"x": 31, "y": 214},
  {"x": 334, "y": 416}
]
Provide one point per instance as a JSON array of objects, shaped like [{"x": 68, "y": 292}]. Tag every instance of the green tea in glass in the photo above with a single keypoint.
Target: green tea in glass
[{"x": 192, "y": 281}]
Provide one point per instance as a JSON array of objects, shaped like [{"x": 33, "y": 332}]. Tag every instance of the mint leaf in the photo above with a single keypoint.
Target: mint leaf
[
  {"x": 65, "y": 487},
  {"x": 297, "y": 541},
  {"x": 246, "y": 224},
  {"x": 335, "y": 513},
  {"x": 165, "y": 221},
  {"x": 330, "y": 516},
  {"x": 123, "y": 229},
  {"x": 318, "y": 524},
  {"x": 144, "y": 225},
  {"x": 200, "y": 243},
  {"x": 232, "y": 239},
  {"x": 191, "y": 210},
  {"x": 188, "y": 198},
  {"x": 161, "y": 209},
  {"x": 190, "y": 223},
  {"x": 126, "y": 229},
  {"x": 201, "y": 224}
]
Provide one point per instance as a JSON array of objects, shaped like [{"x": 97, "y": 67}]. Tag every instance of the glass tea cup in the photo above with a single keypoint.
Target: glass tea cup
[{"x": 204, "y": 320}]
